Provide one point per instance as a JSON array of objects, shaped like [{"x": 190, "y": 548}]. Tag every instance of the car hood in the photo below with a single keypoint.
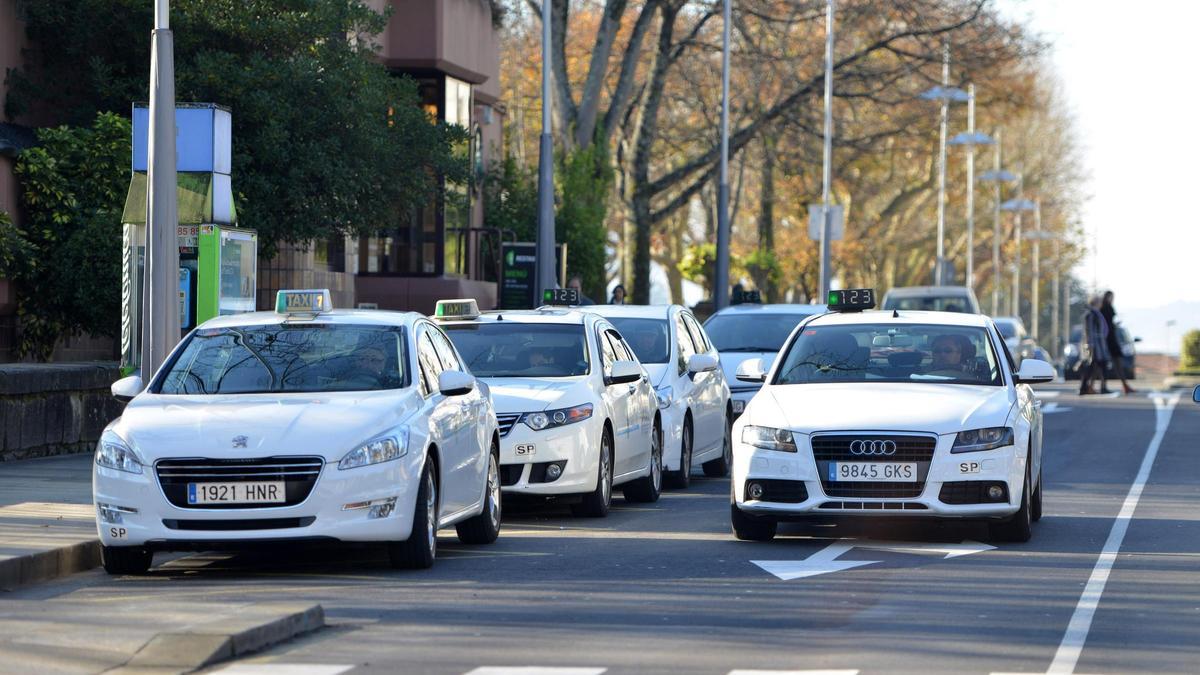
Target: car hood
[
  {"x": 531, "y": 394},
  {"x": 731, "y": 360},
  {"x": 901, "y": 406},
  {"x": 326, "y": 424}
]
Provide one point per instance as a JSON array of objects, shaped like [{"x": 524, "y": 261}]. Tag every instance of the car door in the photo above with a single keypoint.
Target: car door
[
  {"x": 617, "y": 397},
  {"x": 642, "y": 404},
  {"x": 444, "y": 421},
  {"x": 1029, "y": 407},
  {"x": 710, "y": 386},
  {"x": 469, "y": 468},
  {"x": 702, "y": 426}
]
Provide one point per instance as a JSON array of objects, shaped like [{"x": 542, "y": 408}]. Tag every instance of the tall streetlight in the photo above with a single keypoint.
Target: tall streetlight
[
  {"x": 545, "y": 237},
  {"x": 970, "y": 139},
  {"x": 944, "y": 93},
  {"x": 1054, "y": 288},
  {"x": 827, "y": 157},
  {"x": 160, "y": 299},
  {"x": 1018, "y": 205},
  {"x": 997, "y": 176},
  {"x": 721, "y": 291}
]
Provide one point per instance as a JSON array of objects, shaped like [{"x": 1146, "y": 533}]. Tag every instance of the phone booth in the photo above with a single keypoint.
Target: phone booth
[{"x": 218, "y": 261}]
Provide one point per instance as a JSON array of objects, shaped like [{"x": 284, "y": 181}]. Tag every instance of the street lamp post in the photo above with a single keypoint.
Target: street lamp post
[
  {"x": 827, "y": 157},
  {"x": 970, "y": 139},
  {"x": 945, "y": 94},
  {"x": 997, "y": 176},
  {"x": 1019, "y": 205},
  {"x": 1037, "y": 236},
  {"x": 721, "y": 287},
  {"x": 546, "y": 263}
]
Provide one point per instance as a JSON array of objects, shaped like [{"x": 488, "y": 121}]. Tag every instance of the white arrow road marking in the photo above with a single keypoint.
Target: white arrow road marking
[
  {"x": 950, "y": 550},
  {"x": 1051, "y": 408},
  {"x": 1046, "y": 394},
  {"x": 821, "y": 562}
]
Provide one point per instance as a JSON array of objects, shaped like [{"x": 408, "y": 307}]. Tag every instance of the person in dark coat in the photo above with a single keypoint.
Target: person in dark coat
[
  {"x": 576, "y": 282},
  {"x": 1114, "y": 340},
  {"x": 1095, "y": 341}
]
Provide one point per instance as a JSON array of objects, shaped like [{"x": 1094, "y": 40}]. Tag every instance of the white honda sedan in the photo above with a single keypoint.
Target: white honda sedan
[
  {"x": 878, "y": 414},
  {"x": 300, "y": 424},
  {"x": 693, "y": 397},
  {"x": 577, "y": 412}
]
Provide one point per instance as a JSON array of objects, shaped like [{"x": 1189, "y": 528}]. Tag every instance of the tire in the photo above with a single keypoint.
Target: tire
[
  {"x": 485, "y": 527},
  {"x": 1036, "y": 504},
  {"x": 1018, "y": 528},
  {"x": 595, "y": 503},
  {"x": 682, "y": 478},
  {"x": 119, "y": 560},
  {"x": 648, "y": 488},
  {"x": 751, "y": 528},
  {"x": 719, "y": 468},
  {"x": 420, "y": 549}
]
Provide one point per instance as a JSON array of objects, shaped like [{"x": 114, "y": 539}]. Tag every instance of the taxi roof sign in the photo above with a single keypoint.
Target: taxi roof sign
[
  {"x": 303, "y": 301},
  {"x": 851, "y": 300},
  {"x": 460, "y": 308},
  {"x": 560, "y": 297}
]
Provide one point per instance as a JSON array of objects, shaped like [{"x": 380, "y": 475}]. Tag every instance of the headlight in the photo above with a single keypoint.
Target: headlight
[
  {"x": 114, "y": 453},
  {"x": 557, "y": 418},
  {"x": 982, "y": 439},
  {"x": 383, "y": 449},
  {"x": 769, "y": 438},
  {"x": 1070, "y": 351},
  {"x": 665, "y": 395}
]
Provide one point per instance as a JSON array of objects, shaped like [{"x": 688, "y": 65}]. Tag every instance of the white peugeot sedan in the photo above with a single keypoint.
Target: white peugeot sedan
[
  {"x": 693, "y": 397},
  {"x": 879, "y": 414},
  {"x": 301, "y": 424},
  {"x": 577, "y": 412}
]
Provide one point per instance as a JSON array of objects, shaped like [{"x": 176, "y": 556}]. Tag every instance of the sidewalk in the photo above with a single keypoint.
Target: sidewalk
[{"x": 47, "y": 524}]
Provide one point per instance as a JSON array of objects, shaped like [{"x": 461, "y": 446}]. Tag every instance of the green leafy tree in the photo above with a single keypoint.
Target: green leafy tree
[
  {"x": 325, "y": 140},
  {"x": 763, "y": 267},
  {"x": 584, "y": 184},
  {"x": 1189, "y": 362},
  {"x": 65, "y": 258},
  {"x": 510, "y": 199}
]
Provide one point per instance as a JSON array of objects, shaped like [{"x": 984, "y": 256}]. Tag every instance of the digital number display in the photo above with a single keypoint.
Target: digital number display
[
  {"x": 851, "y": 299},
  {"x": 560, "y": 296}
]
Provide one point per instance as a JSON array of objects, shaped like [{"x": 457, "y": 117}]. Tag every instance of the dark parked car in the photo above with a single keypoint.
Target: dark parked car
[{"x": 1071, "y": 354}]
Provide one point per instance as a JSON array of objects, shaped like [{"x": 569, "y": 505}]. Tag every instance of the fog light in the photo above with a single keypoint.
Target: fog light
[
  {"x": 553, "y": 471},
  {"x": 382, "y": 509},
  {"x": 995, "y": 493},
  {"x": 112, "y": 514},
  {"x": 754, "y": 491},
  {"x": 738, "y": 407}
]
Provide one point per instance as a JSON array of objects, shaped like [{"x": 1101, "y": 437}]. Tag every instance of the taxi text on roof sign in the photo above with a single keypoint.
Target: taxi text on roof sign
[
  {"x": 851, "y": 300},
  {"x": 462, "y": 308},
  {"x": 306, "y": 301}
]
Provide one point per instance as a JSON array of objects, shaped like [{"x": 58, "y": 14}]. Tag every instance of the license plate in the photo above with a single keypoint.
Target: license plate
[
  {"x": 899, "y": 472},
  {"x": 236, "y": 493}
]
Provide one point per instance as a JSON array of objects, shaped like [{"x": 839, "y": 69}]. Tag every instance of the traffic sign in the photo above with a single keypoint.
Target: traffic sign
[{"x": 836, "y": 226}]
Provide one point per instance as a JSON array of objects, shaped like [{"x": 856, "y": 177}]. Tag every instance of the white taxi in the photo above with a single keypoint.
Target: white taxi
[
  {"x": 693, "y": 397},
  {"x": 577, "y": 412},
  {"x": 895, "y": 413},
  {"x": 305, "y": 423}
]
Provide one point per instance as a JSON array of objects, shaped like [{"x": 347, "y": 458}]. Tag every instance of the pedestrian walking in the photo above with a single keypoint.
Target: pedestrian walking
[
  {"x": 576, "y": 282},
  {"x": 618, "y": 295},
  {"x": 1115, "y": 353},
  {"x": 1095, "y": 342}
]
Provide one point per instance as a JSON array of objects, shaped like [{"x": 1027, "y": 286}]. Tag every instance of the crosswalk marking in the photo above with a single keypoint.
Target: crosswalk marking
[
  {"x": 534, "y": 670},
  {"x": 283, "y": 669},
  {"x": 793, "y": 672}
]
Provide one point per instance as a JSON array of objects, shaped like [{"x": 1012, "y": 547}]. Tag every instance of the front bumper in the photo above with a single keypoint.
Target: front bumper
[
  {"x": 144, "y": 517},
  {"x": 1003, "y": 465},
  {"x": 578, "y": 445}
]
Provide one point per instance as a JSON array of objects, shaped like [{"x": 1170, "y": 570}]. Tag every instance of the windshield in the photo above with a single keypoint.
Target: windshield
[
  {"x": 647, "y": 337},
  {"x": 944, "y": 303},
  {"x": 289, "y": 358},
  {"x": 510, "y": 349},
  {"x": 736, "y": 332},
  {"x": 890, "y": 353},
  {"x": 1008, "y": 329}
]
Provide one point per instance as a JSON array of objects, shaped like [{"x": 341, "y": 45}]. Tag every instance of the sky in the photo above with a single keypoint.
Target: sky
[{"x": 1128, "y": 71}]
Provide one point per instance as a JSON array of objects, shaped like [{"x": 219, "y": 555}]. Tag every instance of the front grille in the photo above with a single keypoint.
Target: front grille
[
  {"x": 836, "y": 448},
  {"x": 510, "y": 474},
  {"x": 781, "y": 491},
  {"x": 876, "y": 506},
  {"x": 506, "y": 423},
  {"x": 238, "y": 525},
  {"x": 299, "y": 475}
]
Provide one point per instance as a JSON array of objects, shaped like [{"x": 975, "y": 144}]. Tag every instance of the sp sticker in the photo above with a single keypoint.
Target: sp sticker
[
  {"x": 525, "y": 449},
  {"x": 968, "y": 467},
  {"x": 118, "y": 532}
]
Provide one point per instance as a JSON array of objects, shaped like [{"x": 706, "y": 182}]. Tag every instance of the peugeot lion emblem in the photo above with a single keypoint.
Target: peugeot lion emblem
[
  {"x": 873, "y": 447},
  {"x": 239, "y": 441}
]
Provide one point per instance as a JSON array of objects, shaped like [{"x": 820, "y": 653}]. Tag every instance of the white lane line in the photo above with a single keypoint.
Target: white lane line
[
  {"x": 534, "y": 670},
  {"x": 793, "y": 672},
  {"x": 282, "y": 669},
  {"x": 1069, "y": 650}
]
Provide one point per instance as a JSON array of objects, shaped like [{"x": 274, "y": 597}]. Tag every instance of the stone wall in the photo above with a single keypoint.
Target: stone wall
[{"x": 54, "y": 408}]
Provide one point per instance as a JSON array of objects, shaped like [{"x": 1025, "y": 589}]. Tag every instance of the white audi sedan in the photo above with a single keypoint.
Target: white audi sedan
[
  {"x": 693, "y": 397},
  {"x": 301, "y": 424},
  {"x": 896, "y": 413},
  {"x": 577, "y": 412}
]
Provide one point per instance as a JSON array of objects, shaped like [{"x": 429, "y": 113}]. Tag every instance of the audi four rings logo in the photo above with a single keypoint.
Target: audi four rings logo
[{"x": 861, "y": 447}]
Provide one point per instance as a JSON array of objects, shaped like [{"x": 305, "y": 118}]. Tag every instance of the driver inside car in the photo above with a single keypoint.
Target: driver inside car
[{"x": 952, "y": 356}]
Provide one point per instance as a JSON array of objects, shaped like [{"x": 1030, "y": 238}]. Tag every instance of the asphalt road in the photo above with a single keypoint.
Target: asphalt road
[{"x": 665, "y": 588}]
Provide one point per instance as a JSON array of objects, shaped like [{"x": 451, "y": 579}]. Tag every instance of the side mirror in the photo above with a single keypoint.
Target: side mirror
[
  {"x": 752, "y": 370},
  {"x": 1137, "y": 339},
  {"x": 126, "y": 388},
  {"x": 1196, "y": 394},
  {"x": 455, "y": 383},
  {"x": 624, "y": 371},
  {"x": 702, "y": 363},
  {"x": 1035, "y": 371}
]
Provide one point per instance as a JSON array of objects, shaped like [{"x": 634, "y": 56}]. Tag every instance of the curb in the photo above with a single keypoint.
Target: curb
[
  {"x": 268, "y": 624},
  {"x": 50, "y": 564}
]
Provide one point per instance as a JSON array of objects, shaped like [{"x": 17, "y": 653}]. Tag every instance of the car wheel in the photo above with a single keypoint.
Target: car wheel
[
  {"x": 682, "y": 478},
  {"x": 595, "y": 503},
  {"x": 420, "y": 549},
  {"x": 648, "y": 488},
  {"x": 717, "y": 468},
  {"x": 751, "y": 528},
  {"x": 485, "y": 527},
  {"x": 126, "y": 559},
  {"x": 1018, "y": 528},
  {"x": 1036, "y": 504}
]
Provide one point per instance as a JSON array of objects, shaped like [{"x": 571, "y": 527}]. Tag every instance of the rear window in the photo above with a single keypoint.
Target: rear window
[
  {"x": 745, "y": 332},
  {"x": 940, "y": 303},
  {"x": 511, "y": 349},
  {"x": 648, "y": 337}
]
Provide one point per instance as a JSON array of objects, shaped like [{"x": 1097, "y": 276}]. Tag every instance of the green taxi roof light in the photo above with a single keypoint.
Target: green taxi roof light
[
  {"x": 303, "y": 301},
  {"x": 459, "y": 308}
]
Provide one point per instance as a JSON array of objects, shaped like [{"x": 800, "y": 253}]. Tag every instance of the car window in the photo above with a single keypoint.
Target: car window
[
  {"x": 649, "y": 338},
  {"x": 751, "y": 332},
  {"x": 697, "y": 333},
  {"x": 431, "y": 366},
  {"x": 445, "y": 350},
  {"x": 889, "y": 352},
  {"x": 1008, "y": 329},
  {"x": 313, "y": 357},
  {"x": 945, "y": 303},
  {"x": 684, "y": 339},
  {"x": 620, "y": 347},
  {"x": 513, "y": 349},
  {"x": 608, "y": 354}
]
